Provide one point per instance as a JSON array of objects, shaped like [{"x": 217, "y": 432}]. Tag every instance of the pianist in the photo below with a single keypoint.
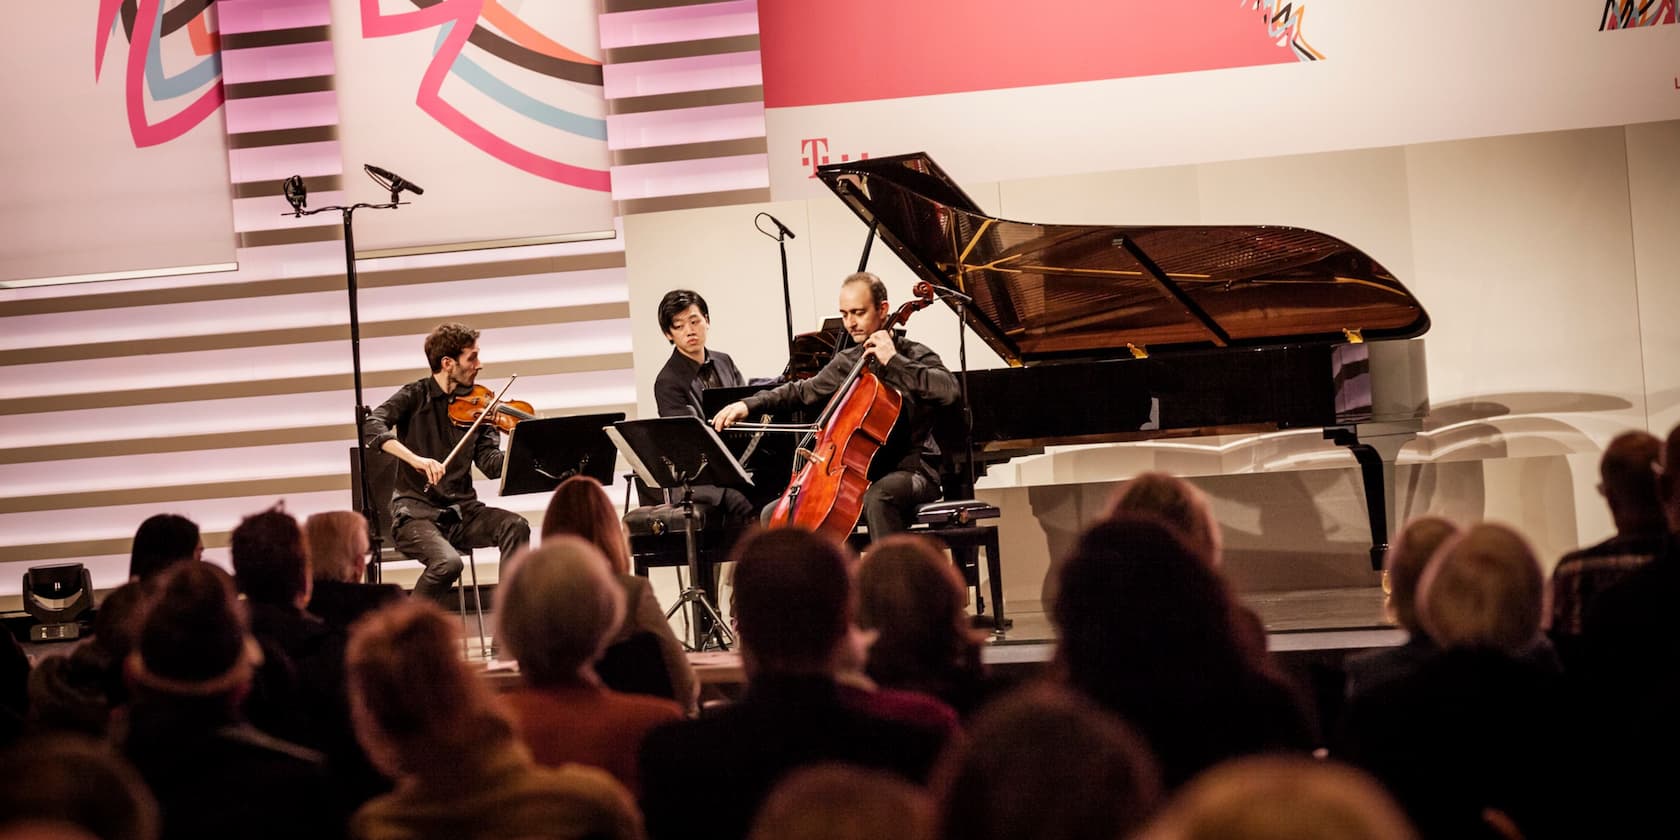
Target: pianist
[
  {"x": 903, "y": 474},
  {"x": 686, "y": 321}
]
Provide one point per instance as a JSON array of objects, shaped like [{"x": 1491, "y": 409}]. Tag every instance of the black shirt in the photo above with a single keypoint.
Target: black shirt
[
  {"x": 418, "y": 416},
  {"x": 915, "y": 372},
  {"x": 676, "y": 390}
]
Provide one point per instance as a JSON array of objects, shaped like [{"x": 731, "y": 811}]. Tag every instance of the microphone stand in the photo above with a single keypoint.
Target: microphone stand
[{"x": 366, "y": 490}]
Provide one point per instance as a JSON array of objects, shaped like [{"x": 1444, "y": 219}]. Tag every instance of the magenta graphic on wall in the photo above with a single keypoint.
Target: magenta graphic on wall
[
  {"x": 162, "y": 105},
  {"x": 507, "y": 56}
]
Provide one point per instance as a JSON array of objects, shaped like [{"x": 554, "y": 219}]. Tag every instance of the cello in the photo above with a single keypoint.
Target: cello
[{"x": 826, "y": 492}]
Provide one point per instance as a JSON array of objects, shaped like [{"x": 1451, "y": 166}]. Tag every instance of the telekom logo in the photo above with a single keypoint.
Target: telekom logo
[{"x": 813, "y": 152}]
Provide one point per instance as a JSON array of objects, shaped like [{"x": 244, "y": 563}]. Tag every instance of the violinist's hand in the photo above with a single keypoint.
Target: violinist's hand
[
  {"x": 729, "y": 416},
  {"x": 880, "y": 345},
  {"x": 429, "y": 468}
]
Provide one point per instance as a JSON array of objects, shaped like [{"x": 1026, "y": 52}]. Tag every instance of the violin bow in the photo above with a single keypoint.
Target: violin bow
[{"x": 474, "y": 427}]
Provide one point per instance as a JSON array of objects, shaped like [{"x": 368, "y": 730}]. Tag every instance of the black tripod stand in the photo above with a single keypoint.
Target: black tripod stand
[
  {"x": 298, "y": 195},
  {"x": 687, "y": 452}
]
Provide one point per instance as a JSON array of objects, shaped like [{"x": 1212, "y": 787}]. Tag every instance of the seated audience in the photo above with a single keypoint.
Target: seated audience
[
  {"x": 213, "y": 774},
  {"x": 337, "y": 546},
  {"x": 911, "y": 597},
  {"x": 838, "y": 802},
  {"x": 1178, "y": 504},
  {"x": 73, "y": 782},
  {"x": 300, "y": 693},
  {"x": 580, "y": 508},
  {"x": 1281, "y": 798},
  {"x": 1483, "y": 726},
  {"x": 160, "y": 542},
  {"x": 556, "y": 612},
  {"x": 432, "y": 725},
  {"x": 1402, "y": 568},
  {"x": 1046, "y": 763},
  {"x": 1146, "y": 629},
  {"x": 78, "y": 691},
  {"x": 1628, "y": 482},
  {"x": 793, "y": 613},
  {"x": 1630, "y": 669}
]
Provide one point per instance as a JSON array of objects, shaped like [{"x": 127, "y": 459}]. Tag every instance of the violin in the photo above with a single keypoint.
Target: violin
[{"x": 465, "y": 409}]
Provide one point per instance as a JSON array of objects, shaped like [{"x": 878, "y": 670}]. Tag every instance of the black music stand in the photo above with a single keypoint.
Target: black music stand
[
  {"x": 544, "y": 452},
  {"x": 680, "y": 452}
]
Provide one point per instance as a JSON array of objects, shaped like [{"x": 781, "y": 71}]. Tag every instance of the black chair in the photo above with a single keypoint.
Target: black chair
[
  {"x": 382, "y": 475},
  {"x": 955, "y": 524}
]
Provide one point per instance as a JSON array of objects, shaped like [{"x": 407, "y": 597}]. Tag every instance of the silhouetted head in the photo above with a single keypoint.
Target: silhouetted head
[
  {"x": 161, "y": 541},
  {"x": 792, "y": 600},
  {"x": 558, "y": 609},
  {"x": 580, "y": 508}
]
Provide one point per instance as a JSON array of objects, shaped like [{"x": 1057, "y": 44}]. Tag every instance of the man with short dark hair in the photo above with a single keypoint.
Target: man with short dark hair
[
  {"x": 693, "y": 367},
  {"x": 793, "y": 609},
  {"x": 1628, "y": 482},
  {"x": 435, "y": 512},
  {"x": 162, "y": 541},
  {"x": 903, "y": 474}
]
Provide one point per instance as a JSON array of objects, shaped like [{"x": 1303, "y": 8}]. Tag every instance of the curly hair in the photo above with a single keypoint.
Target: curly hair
[{"x": 446, "y": 341}]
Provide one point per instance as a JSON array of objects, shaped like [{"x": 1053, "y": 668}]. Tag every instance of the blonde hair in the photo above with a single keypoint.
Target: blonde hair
[
  {"x": 1176, "y": 502},
  {"x": 418, "y": 710},
  {"x": 841, "y": 802},
  {"x": 1484, "y": 589},
  {"x": 558, "y": 609},
  {"x": 1281, "y": 798},
  {"x": 336, "y": 542},
  {"x": 1405, "y": 561}
]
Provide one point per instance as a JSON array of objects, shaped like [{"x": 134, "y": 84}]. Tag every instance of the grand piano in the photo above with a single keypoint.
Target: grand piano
[{"x": 1126, "y": 333}]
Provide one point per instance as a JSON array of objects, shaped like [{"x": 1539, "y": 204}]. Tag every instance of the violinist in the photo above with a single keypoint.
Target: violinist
[
  {"x": 692, "y": 368},
  {"x": 435, "y": 512},
  {"x": 903, "y": 475}
]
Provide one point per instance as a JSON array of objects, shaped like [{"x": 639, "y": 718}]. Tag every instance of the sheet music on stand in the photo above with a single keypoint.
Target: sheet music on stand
[
  {"x": 677, "y": 453},
  {"x": 543, "y": 452}
]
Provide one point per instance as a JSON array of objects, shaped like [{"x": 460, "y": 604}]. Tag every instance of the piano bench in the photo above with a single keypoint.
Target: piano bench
[
  {"x": 953, "y": 524},
  {"x": 657, "y": 539}
]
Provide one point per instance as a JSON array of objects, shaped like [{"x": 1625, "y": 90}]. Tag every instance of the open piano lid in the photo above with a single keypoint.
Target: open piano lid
[{"x": 1062, "y": 292}]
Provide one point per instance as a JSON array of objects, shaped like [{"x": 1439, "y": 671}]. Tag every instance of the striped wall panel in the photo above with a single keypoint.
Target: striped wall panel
[
  {"x": 685, "y": 100},
  {"x": 215, "y": 395}
]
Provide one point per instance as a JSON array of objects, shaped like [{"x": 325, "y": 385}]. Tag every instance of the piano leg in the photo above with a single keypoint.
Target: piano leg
[{"x": 1376, "y": 456}]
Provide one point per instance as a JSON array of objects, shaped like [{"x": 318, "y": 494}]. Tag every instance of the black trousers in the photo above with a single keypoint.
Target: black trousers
[
  {"x": 892, "y": 499},
  {"x": 439, "y": 544}
]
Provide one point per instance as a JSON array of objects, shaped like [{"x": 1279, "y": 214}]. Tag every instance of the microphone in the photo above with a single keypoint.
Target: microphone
[
  {"x": 779, "y": 226},
  {"x": 398, "y": 184},
  {"x": 295, "y": 193}
]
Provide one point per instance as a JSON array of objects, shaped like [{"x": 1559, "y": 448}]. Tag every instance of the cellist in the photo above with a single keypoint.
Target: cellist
[{"x": 903, "y": 474}]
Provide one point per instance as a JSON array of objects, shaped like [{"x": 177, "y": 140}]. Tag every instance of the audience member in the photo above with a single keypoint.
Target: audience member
[
  {"x": 160, "y": 542},
  {"x": 793, "y": 614},
  {"x": 1628, "y": 481},
  {"x": 337, "y": 546},
  {"x": 1484, "y": 725},
  {"x": 1403, "y": 566},
  {"x": 78, "y": 691},
  {"x": 1046, "y": 763},
  {"x": 1630, "y": 668},
  {"x": 580, "y": 508},
  {"x": 912, "y": 598},
  {"x": 460, "y": 771},
  {"x": 1178, "y": 504},
  {"x": 75, "y": 781},
  {"x": 1281, "y": 798},
  {"x": 15, "y": 676},
  {"x": 838, "y": 802},
  {"x": 556, "y": 612},
  {"x": 1146, "y": 630},
  {"x": 213, "y": 774}
]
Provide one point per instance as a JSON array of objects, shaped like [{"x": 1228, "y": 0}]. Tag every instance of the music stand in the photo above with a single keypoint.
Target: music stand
[
  {"x": 680, "y": 452},
  {"x": 544, "y": 452}
]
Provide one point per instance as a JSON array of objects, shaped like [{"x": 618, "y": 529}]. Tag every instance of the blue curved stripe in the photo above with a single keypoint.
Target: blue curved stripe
[
  {"x": 183, "y": 83},
  {"x": 518, "y": 100}
]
